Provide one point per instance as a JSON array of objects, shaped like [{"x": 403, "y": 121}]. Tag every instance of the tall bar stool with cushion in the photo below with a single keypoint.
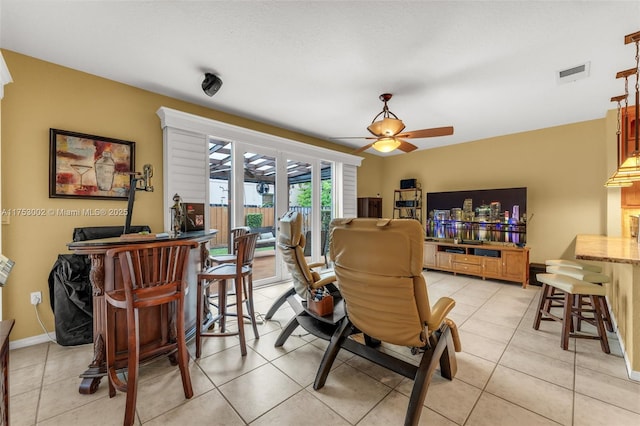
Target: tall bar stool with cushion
[
  {"x": 565, "y": 263},
  {"x": 226, "y": 258},
  {"x": 153, "y": 277},
  {"x": 590, "y": 277},
  {"x": 242, "y": 274},
  {"x": 571, "y": 288}
]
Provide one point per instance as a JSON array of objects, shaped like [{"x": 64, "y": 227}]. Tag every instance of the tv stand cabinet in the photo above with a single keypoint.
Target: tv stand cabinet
[{"x": 501, "y": 262}]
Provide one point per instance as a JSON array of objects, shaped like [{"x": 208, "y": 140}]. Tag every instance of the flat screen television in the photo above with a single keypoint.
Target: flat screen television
[{"x": 491, "y": 215}]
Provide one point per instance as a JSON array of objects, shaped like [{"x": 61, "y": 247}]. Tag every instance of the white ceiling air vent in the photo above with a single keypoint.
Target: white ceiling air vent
[{"x": 574, "y": 73}]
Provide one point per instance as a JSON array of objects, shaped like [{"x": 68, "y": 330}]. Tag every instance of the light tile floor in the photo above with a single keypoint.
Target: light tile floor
[{"x": 508, "y": 374}]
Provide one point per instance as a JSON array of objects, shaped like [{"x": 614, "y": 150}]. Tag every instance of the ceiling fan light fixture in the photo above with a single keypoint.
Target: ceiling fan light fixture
[
  {"x": 386, "y": 144},
  {"x": 386, "y": 127}
]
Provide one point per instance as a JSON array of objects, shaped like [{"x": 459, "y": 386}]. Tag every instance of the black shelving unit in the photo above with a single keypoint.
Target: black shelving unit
[{"x": 407, "y": 204}]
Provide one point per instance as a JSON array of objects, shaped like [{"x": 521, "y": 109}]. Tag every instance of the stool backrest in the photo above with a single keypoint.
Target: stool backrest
[
  {"x": 235, "y": 233},
  {"x": 245, "y": 248},
  {"x": 153, "y": 273}
]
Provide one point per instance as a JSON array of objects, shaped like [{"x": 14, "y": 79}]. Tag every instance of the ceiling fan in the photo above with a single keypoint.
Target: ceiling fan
[{"x": 388, "y": 133}]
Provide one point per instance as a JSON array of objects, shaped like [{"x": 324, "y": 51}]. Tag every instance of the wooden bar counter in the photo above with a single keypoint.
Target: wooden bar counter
[
  {"x": 152, "y": 327},
  {"x": 620, "y": 259}
]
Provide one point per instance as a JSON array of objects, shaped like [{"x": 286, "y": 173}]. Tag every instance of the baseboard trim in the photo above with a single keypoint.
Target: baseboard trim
[
  {"x": 633, "y": 375},
  {"x": 30, "y": 341}
]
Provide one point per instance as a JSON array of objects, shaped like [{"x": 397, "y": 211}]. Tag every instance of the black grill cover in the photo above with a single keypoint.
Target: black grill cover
[{"x": 71, "y": 301}]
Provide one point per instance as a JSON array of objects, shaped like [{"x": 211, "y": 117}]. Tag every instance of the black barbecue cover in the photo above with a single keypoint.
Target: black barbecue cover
[{"x": 71, "y": 301}]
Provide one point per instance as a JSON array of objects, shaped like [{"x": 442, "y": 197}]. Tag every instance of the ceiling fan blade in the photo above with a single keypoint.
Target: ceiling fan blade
[
  {"x": 357, "y": 137},
  {"x": 406, "y": 146},
  {"x": 427, "y": 133},
  {"x": 363, "y": 148}
]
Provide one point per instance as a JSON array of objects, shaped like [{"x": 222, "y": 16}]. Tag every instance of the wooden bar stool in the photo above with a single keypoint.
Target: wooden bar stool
[
  {"x": 590, "y": 277},
  {"x": 153, "y": 277},
  {"x": 219, "y": 259},
  {"x": 571, "y": 288},
  {"x": 230, "y": 257},
  {"x": 242, "y": 274}
]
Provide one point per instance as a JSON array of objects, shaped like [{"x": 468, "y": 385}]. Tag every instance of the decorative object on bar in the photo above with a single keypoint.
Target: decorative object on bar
[
  {"x": 387, "y": 134},
  {"x": 138, "y": 182},
  {"x": 629, "y": 170},
  {"x": 177, "y": 215}
]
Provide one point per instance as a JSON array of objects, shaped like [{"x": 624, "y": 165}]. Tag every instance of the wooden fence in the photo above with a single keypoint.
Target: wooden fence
[{"x": 220, "y": 220}]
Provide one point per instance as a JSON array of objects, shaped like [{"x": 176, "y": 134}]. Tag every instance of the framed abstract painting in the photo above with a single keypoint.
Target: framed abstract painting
[{"x": 89, "y": 166}]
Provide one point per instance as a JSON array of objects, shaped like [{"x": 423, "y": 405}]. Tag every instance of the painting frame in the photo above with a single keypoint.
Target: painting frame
[{"x": 88, "y": 166}]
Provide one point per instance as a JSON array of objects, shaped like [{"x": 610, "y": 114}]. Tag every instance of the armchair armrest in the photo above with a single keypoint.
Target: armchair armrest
[
  {"x": 315, "y": 265},
  {"x": 454, "y": 334},
  {"x": 327, "y": 279},
  {"x": 439, "y": 311}
]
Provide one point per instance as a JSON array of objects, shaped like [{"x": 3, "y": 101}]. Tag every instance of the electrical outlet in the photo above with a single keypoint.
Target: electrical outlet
[{"x": 36, "y": 297}]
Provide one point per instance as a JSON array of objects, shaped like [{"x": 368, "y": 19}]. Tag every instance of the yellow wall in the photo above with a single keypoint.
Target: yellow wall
[
  {"x": 43, "y": 96},
  {"x": 562, "y": 168},
  {"x": 370, "y": 177}
]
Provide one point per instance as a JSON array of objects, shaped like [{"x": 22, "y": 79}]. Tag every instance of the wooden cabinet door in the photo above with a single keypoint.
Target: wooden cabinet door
[
  {"x": 444, "y": 260},
  {"x": 630, "y": 196},
  {"x": 429, "y": 255},
  {"x": 370, "y": 207},
  {"x": 514, "y": 265},
  {"x": 492, "y": 267}
]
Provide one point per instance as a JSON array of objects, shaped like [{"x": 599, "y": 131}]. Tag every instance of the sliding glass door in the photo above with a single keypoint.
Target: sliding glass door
[
  {"x": 310, "y": 192},
  {"x": 259, "y": 209}
]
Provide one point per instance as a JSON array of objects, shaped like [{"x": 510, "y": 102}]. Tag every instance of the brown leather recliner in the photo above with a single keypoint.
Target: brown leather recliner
[
  {"x": 291, "y": 243},
  {"x": 378, "y": 264}
]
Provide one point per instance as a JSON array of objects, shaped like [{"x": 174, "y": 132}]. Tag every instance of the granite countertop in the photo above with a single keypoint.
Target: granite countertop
[{"x": 607, "y": 249}]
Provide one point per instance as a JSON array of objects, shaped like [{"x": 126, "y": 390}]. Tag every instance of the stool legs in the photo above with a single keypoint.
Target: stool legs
[
  {"x": 183, "y": 353},
  {"x": 250, "y": 308},
  {"x": 572, "y": 307},
  {"x": 606, "y": 314},
  {"x": 567, "y": 322},
  {"x": 243, "y": 343},
  {"x": 542, "y": 305},
  {"x": 597, "y": 302},
  {"x": 203, "y": 290}
]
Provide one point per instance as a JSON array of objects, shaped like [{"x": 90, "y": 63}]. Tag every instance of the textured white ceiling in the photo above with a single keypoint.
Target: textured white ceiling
[{"x": 318, "y": 67}]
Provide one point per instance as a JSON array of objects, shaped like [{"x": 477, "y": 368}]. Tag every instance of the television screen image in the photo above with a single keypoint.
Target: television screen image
[{"x": 492, "y": 215}]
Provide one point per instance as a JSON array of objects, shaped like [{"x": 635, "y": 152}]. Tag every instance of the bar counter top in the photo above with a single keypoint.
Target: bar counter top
[{"x": 607, "y": 249}]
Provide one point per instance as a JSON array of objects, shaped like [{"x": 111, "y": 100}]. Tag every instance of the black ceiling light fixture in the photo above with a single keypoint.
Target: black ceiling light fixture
[{"x": 211, "y": 84}]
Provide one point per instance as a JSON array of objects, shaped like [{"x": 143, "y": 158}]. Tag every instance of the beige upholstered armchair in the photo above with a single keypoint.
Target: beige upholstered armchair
[
  {"x": 291, "y": 243},
  {"x": 378, "y": 264}
]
